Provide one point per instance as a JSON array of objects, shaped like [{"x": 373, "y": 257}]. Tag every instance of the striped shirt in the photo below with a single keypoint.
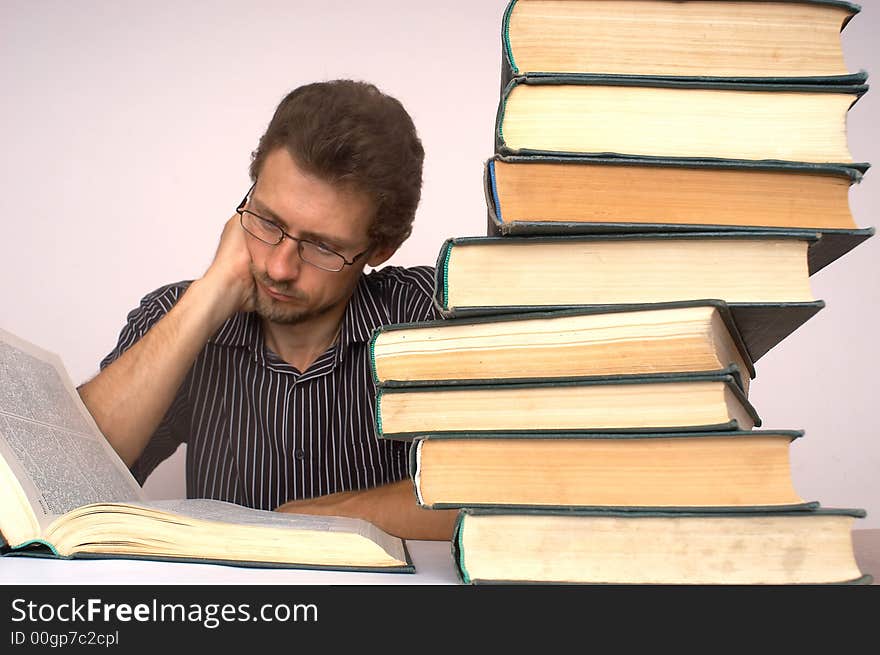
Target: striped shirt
[{"x": 258, "y": 431}]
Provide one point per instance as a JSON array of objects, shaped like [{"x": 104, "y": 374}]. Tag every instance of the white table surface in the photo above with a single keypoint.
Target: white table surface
[{"x": 432, "y": 559}]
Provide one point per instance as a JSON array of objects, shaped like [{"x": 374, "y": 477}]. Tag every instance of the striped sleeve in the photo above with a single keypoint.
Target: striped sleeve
[{"x": 173, "y": 429}]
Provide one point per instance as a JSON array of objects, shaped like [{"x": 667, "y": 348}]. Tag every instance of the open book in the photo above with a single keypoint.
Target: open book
[{"x": 65, "y": 492}]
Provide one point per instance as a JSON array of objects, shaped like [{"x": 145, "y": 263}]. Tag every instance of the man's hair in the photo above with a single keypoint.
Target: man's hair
[{"x": 350, "y": 133}]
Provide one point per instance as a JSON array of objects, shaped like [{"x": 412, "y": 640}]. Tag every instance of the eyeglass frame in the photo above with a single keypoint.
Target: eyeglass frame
[{"x": 241, "y": 211}]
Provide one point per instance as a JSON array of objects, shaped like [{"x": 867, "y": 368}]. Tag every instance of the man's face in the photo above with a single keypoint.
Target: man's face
[{"x": 289, "y": 290}]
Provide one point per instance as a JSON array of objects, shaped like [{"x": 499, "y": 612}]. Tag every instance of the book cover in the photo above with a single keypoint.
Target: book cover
[
  {"x": 563, "y": 406},
  {"x": 46, "y": 551},
  {"x": 671, "y": 40},
  {"x": 830, "y": 244},
  {"x": 742, "y": 376},
  {"x": 649, "y": 471},
  {"x": 762, "y": 325},
  {"x": 699, "y": 121},
  {"x": 619, "y": 546}
]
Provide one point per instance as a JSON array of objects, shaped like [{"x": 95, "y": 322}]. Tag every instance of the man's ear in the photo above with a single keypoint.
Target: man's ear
[{"x": 380, "y": 256}]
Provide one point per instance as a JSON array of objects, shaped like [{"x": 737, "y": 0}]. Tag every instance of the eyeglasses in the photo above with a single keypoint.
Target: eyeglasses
[{"x": 271, "y": 233}]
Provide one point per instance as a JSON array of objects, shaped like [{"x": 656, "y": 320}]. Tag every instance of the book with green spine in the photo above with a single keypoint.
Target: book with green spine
[
  {"x": 763, "y": 277},
  {"x": 65, "y": 493},
  {"x": 734, "y": 470},
  {"x": 680, "y": 337},
  {"x": 668, "y": 118},
  {"x": 621, "y": 403},
  {"x": 556, "y": 195},
  {"x": 746, "y": 39},
  {"x": 616, "y": 546}
]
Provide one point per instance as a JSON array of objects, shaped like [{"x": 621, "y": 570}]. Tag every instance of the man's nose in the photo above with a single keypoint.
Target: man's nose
[{"x": 284, "y": 262}]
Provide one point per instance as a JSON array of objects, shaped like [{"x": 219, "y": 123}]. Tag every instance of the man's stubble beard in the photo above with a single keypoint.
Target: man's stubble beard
[{"x": 274, "y": 311}]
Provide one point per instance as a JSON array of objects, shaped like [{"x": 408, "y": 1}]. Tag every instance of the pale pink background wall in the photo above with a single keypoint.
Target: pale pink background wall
[{"x": 126, "y": 130}]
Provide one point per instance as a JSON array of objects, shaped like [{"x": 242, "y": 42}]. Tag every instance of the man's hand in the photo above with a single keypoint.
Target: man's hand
[
  {"x": 228, "y": 279},
  {"x": 391, "y": 507}
]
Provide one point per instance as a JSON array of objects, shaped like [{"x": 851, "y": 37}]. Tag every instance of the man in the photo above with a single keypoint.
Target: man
[{"x": 262, "y": 364}]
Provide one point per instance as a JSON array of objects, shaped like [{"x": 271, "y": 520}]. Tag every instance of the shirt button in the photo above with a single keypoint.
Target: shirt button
[{"x": 299, "y": 453}]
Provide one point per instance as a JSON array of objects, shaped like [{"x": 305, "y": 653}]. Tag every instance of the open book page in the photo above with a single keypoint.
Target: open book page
[
  {"x": 217, "y": 510},
  {"x": 48, "y": 438}
]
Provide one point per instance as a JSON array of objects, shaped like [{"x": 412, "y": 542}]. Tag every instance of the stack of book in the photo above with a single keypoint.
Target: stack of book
[{"x": 667, "y": 177}]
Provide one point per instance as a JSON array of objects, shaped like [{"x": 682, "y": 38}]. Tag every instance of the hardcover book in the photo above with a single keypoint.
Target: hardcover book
[
  {"x": 65, "y": 493},
  {"x": 626, "y": 403},
  {"x": 763, "y": 277},
  {"x": 691, "y": 39},
  {"x": 745, "y": 470},
  {"x": 535, "y": 195},
  {"x": 632, "y": 547},
  {"x": 636, "y": 117},
  {"x": 663, "y": 338}
]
